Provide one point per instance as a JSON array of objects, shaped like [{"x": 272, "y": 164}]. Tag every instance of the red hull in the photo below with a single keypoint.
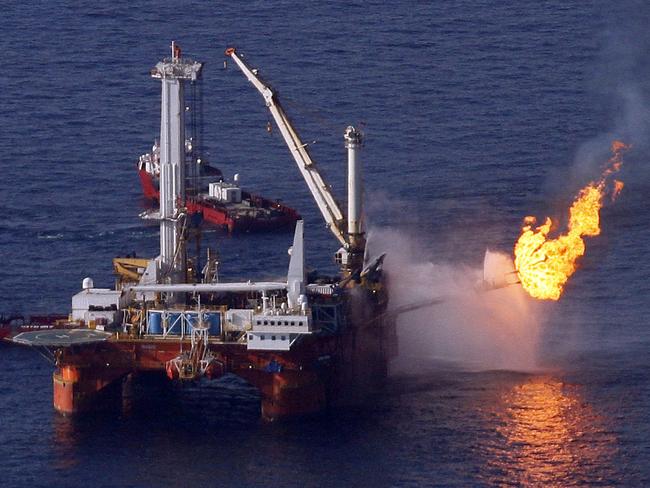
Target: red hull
[
  {"x": 320, "y": 372},
  {"x": 4, "y": 332},
  {"x": 273, "y": 215},
  {"x": 148, "y": 187}
]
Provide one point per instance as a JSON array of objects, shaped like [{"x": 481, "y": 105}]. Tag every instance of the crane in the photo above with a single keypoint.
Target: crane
[{"x": 350, "y": 236}]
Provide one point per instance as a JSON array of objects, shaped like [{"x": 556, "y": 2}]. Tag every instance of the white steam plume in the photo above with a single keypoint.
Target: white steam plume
[{"x": 472, "y": 329}]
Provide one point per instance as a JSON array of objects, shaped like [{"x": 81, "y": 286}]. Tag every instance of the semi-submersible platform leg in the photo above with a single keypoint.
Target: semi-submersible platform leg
[
  {"x": 91, "y": 376},
  {"x": 282, "y": 394},
  {"x": 87, "y": 378},
  {"x": 78, "y": 389}
]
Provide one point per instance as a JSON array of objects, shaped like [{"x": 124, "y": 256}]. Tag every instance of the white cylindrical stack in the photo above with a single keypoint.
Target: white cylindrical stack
[{"x": 355, "y": 185}]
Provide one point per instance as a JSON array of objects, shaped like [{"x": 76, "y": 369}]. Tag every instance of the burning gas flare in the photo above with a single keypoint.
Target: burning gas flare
[
  {"x": 618, "y": 186},
  {"x": 545, "y": 264}
]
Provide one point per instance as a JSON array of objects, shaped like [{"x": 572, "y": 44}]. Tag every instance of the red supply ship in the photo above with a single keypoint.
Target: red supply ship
[
  {"x": 304, "y": 343},
  {"x": 221, "y": 203}
]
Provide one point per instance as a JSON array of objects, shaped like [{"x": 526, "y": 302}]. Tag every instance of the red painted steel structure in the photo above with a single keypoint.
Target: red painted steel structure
[
  {"x": 319, "y": 372},
  {"x": 273, "y": 217}
]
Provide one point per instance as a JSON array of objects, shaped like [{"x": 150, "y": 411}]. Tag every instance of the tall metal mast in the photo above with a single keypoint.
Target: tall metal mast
[{"x": 173, "y": 73}]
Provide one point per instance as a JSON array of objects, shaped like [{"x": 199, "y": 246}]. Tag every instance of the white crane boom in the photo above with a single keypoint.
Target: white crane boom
[{"x": 319, "y": 189}]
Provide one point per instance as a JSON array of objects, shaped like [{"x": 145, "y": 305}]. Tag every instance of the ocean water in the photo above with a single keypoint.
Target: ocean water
[{"x": 476, "y": 113}]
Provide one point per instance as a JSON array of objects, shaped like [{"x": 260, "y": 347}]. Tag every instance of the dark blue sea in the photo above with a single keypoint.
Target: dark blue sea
[{"x": 476, "y": 113}]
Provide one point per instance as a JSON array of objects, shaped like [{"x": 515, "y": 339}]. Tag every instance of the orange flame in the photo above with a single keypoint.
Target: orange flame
[
  {"x": 545, "y": 264},
  {"x": 618, "y": 186}
]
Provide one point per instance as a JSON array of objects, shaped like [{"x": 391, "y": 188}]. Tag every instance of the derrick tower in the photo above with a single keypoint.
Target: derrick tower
[{"x": 173, "y": 73}]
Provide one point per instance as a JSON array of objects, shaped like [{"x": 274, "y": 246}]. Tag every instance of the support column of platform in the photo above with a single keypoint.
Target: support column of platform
[
  {"x": 288, "y": 393},
  {"x": 78, "y": 389}
]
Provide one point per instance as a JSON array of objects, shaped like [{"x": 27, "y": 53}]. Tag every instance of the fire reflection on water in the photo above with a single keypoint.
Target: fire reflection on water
[{"x": 549, "y": 436}]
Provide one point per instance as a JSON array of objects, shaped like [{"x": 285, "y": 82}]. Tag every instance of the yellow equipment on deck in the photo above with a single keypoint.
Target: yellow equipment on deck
[{"x": 129, "y": 270}]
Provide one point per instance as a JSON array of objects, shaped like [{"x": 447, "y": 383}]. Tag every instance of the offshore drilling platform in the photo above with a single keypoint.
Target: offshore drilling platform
[{"x": 303, "y": 345}]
